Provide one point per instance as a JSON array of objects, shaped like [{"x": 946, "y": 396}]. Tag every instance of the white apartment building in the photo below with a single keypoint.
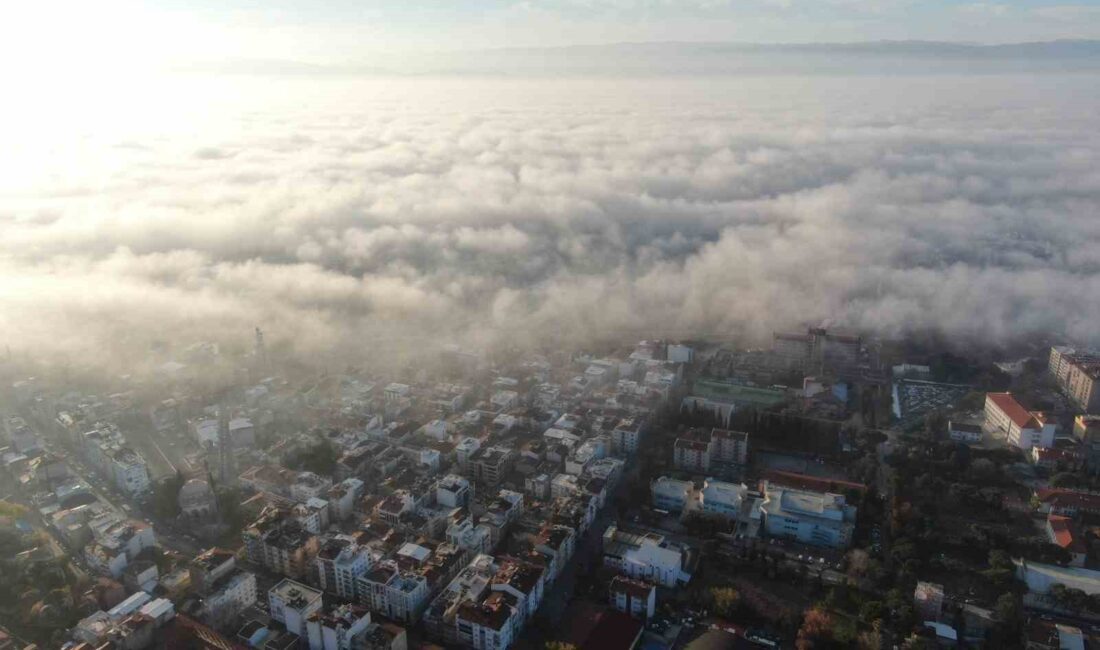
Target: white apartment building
[
  {"x": 643, "y": 556},
  {"x": 558, "y": 543},
  {"x": 464, "y": 534},
  {"x": 722, "y": 498},
  {"x": 308, "y": 485},
  {"x": 564, "y": 485},
  {"x": 817, "y": 518},
  {"x": 129, "y": 471},
  {"x": 465, "y": 450},
  {"x": 342, "y": 498},
  {"x": 492, "y": 624},
  {"x": 117, "y": 544},
  {"x": 341, "y": 629},
  {"x": 339, "y": 564},
  {"x": 226, "y": 591},
  {"x": 671, "y": 494},
  {"x": 587, "y": 453},
  {"x": 729, "y": 446},
  {"x": 230, "y": 596},
  {"x": 633, "y": 597},
  {"x": 525, "y": 581},
  {"x": 1020, "y": 427},
  {"x": 292, "y": 603},
  {"x": 453, "y": 491},
  {"x": 691, "y": 455},
  {"x": 626, "y": 437},
  {"x": 393, "y": 593},
  {"x": 313, "y": 514}
]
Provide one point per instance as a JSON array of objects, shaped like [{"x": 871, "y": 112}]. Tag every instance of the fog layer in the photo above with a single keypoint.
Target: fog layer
[{"x": 361, "y": 215}]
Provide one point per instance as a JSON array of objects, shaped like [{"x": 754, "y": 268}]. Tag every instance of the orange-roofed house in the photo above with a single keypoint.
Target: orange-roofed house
[
  {"x": 1022, "y": 428},
  {"x": 1062, "y": 531}
]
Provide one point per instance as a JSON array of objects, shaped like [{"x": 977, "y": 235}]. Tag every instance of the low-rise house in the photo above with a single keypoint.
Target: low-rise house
[
  {"x": 964, "y": 432},
  {"x": 1071, "y": 503},
  {"x": 1062, "y": 531}
]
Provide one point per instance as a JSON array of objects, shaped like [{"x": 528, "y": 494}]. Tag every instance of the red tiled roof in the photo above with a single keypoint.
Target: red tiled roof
[
  {"x": 614, "y": 631},
  {"x": 812, "y": 483},
  {"x": 1011, "y": 408},
  {"x": 1069, "y": 499},
  {"x": 697, "y": 445},
  {"x": 630, "y": 587},
  {"x": 1064, "y": 534}
]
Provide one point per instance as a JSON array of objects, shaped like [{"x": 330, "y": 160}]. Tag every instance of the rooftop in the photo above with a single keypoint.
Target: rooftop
[
  {"x": 1012, "y": 409},
  {"x": 631, "y": 587},
  {"x": 295, "y": 594}
]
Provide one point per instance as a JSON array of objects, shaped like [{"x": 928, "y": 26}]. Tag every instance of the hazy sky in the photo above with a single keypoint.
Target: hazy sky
[{"x": 53, "y": 34}]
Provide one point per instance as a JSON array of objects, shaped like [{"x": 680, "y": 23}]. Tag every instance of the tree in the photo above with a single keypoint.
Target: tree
[
  {"x": 1066, "y": 480},
  {"x": 871, "y": 611},
  {"x": 816, "y": 630},
  {"x": 320, "y": 459},
  {"x": 871, "y": 639},
  {"x": 13, "y": 510},
  {"x": 1000, "y": 559},
  {"x": 1008, "y": 608},
  {"x": 725, "y": 601},
  {"x": 983, "y": 469},
  {"x": 166, "y": 496}
]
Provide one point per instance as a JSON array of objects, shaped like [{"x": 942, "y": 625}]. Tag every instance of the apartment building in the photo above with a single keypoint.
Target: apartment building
[
  {"x": 670, "y": 494},
  {"x": 292, "y": 603},
  {"x": 722, "y": 498},
  {"x": 729, "y": 446},
  {"x": 394, "y": 593},
  {"x": 633, "y": 597},
  {"x": 690, "y": 455},
  {"x": 339, "y": 564},
  {"x": 821, "y": 519},
  {"x": 1083, "y": 384},
  {"x": 1077, "y": 372},
  {"x": 645, "y": 556},
  {"x": 345, "y": 628},
  {"x": 280, "y": 543},
  {"x": 526, "y": 581},
  {"x": 626, "y": 436}
]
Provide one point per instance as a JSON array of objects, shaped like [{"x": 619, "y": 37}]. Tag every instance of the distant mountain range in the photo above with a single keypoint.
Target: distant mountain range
[{"x": 671, "y": 58}]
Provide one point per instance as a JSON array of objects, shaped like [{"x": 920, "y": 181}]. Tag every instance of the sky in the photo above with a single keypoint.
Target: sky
[{"x": 59, "y": 35}]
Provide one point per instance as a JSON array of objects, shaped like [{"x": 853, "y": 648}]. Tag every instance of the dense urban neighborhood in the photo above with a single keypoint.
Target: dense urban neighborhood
[{"x": 832, "y": 490}]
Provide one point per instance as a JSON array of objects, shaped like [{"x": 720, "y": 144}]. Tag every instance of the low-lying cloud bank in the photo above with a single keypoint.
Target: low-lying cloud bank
[{"x": 362, "y": 217}]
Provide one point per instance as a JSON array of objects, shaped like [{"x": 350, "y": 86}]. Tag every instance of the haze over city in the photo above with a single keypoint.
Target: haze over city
[{"x": 549, "y": 324}]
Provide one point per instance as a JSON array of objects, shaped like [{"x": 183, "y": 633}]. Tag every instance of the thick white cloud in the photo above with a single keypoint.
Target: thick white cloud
[{"x": 354, "y": 216}]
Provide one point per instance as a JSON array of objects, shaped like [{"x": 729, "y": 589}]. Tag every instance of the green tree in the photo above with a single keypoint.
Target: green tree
[
  {"x": 871, "y": 611},
  {"x": 724, "y": 601},
  {"x": 13, "y": 510},
  {"x": 166, "y": 496}
]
